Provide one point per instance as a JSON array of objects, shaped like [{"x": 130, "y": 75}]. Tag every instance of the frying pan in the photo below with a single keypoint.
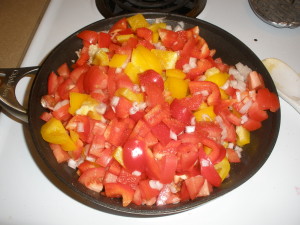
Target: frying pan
[{"x": 229, "y": 48}]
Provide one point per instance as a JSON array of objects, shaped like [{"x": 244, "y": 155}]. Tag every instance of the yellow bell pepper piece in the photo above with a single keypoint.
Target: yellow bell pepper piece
[
  {"x": 177, "y": 87},
  {"x": 155, "y": 27},
  {"x": 132, "y": 72},
  {"x": 175, "y": 73},
  {"x": 118, "y": 155},
  {"x": 101, "y": 58},
  {"x": 168, "y": 59},
  {"x": 205, "y": 114},
  {"x": 243, "y": 136},
  {"x": 117, "y": 60},
  {"x": 54, "y": 132},
  {"x": 130, "y": 95},
  {"x": 87, "y": 106},
  {"x": 124, "y": 37},
  {"x": 218, "y": 78},
  {"x": 211, "y": 71},
  {"x": 223, "y": 168},
  {"x": 74, "y": 136},
  {"x": 76, "y": 100},
  {"x": 137, "y": 21},
  {"x": 144, "y": 59},
  {"x": 224, "y": 96}
]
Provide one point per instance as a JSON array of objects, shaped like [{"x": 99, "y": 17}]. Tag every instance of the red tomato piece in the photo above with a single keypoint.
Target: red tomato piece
[
  {"x": 63, "y": 70},
  {"x": 180, "y": 112},
  {"x": 95, "y": 79},
  {"x": 147, "y": 191},
  {"x": 52, "y": 83},
  {"x": 232, "y": 156},
  {"x": 214, "y": 92},
  {"x": 162, "y": 132},
  {"x": 88, "y": 35},
  {"x": 125, "y": 177},
  {"x": 80, "y": 124},
  {"x": 104, "y": 40},
  {"x": 208, "y": 171},
  {"x": 122, "y": 24},
  {"x": 194, "y": 185},
  {"x": 168, "y": 165},
  {"x": 59, "y": 154},
  {"x": 119, "y": 190},
  {"x": 134, "y": 155},
  {"x": 252, "y": 125},
  {"x": 144, "y": 33},
  {"x": 85, "y": 165},
  {"x": 92, "y": 178},
  {"x": 150, "y": 77}
]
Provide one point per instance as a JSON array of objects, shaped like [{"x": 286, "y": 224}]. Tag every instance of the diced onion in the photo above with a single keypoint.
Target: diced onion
[
  {"x": 246, "y": 107},
  {"x": 173, "y": 135},
  {"x": 190, "y": 129},
  {"x": 155, "y": 184}
]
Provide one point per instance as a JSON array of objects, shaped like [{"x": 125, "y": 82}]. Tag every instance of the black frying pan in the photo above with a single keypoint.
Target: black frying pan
[{"x": 229, "y": 48}]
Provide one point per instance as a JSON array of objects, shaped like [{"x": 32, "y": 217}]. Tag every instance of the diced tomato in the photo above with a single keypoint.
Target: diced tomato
[
  {"x": 125, "y": 177},
  {"x": 119, "y": 190},
  {"x": 194, "y": 185},
  {"x": 52, "y": 83},
  {"x": 256, "y": 113},
  {"x": 232, "y": 156},
  {"x": 168, "y": 165},
  {"x": 212, "y": 88},
  {"x": 252, "y": 125},
  {"x": 63, "y": 70},
  {"x": 144, "y": 33},
  {"x": 104, "y": 40},
  {"x": 86, "y": 165},
  {"x": 147, "y": 191},
  {"x": 92, "y": 178},
  {"x": 122, "y": 24},
  {"x": 162, "y": 132},
  {"x": 80, "y": 124},
  {"x": 89, "y": 36},
  {"x": 208, "y": 171},
  {"x": 134, "y": 155},
  {"x": 95, "y": 78},
  {"x": 59, "y": 154},
  {"x": 180, "y": 112},
  {"x": 267, "y": 100}
]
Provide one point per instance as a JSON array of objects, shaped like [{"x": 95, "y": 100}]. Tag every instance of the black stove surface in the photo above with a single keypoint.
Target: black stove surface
[{"x": 191, "y": 8}]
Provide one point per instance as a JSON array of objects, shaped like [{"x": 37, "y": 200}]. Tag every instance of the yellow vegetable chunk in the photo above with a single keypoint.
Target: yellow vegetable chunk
[
  {"x": 124, "y": 37},
  {"x": 223, "y": 168},
  {"x": 243, "y": 136},
  {"x": 76, "y": 100},
  {"x": 54, "y": 132},
  {"x": 101, "y": 58},
  {"x": 137, "y": 21},
  {"x": 117, "y": 60},
  {"x": 132, "y": 72},
  {"x": 130, "y": 95},
  {"x": 175, "y": 73},
  {"x": 168, "y": 59},
  {"x": 177, "y": 87},
  {"x": 218, "y": 78},
  {"x": 205, "y": 114},
  {"x": 144, "y": 59},
  {"x": 118, "y": 155}
]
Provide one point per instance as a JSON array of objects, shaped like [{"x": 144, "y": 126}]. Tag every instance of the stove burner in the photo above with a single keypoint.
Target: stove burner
[{"x": 191, "y": 8}]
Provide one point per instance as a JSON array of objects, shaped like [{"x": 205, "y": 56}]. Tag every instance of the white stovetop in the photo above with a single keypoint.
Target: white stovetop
[{"x": 272, "y": 196}]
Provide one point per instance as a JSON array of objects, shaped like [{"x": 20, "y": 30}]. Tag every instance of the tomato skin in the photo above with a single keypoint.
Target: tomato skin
[
  {"x": 180, "y": 112},
  {"x": 134, "y": 155},
  {"x": 104, "y": 40},
  {"x": 92, "y": 178},
  {"x": 194, "y": 185},
  {"x": 168, "y": 165},
  {"x": 119, "y": 189},
  {"x": 122, "y": 24},
  {"x": 52, "y": 83},
  {"x": 63, "y": 70},
  {"x": 214, "y": 93},
  {"x": 94, "y": 79},
  {"x": 150, "y": 77},
  {"x": 89, "y": 36}
]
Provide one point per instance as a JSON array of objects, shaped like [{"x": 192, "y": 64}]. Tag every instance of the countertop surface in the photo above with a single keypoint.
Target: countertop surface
[
  {"x": 30, "y": 194},
  {"x": 19, "y": 20}
]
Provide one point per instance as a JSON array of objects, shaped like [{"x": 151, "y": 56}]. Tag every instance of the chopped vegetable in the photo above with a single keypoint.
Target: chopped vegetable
[{"x": 147, "y": 114}]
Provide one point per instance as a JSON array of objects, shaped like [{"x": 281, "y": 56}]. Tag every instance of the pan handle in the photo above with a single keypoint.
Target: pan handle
[{"x": 9, "y": 78}]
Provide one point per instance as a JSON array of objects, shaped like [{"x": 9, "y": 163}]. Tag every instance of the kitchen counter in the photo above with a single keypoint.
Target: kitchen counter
[
  {"x": 31, "y": 194},
  {"x": 19, "y": 20}
]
